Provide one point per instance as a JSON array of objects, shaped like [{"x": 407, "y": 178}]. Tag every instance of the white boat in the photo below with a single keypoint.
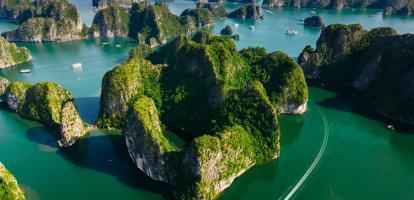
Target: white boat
[
  {"x": 25, "y": 71},
  {"x": 391, "y": 127},
  {"x": 105, "y": 43},
  {"x": 268, "y": 11},
  {"x": 251, "y": 27},
  {"x": 236, "y": 25},
  {"x": 291, "y": 32},
  {"x": 313, "y": 12},
  {"x": 118, "y": 46},
  {"x": 76, "y": 65}
]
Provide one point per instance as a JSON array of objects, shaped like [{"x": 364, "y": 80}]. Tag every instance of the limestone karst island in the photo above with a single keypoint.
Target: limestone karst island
[{"x": 206, "y": 99}]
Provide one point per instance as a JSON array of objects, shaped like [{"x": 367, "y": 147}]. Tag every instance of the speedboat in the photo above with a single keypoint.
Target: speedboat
[
  {"x": 118, "y": 46},
  {"x": 313, "y": 12},
  {"x": 236, "y": 25},
  {"x": 291, "y": 32},
  {"x": 251, "y": 27},
  {"x": 76, "y": 65},
  {"x": 25, "y": 71},
  {"x": 391, "y": 127},
  {"x": 268, "y": 11},
  {"x": 105, "y": 43}
]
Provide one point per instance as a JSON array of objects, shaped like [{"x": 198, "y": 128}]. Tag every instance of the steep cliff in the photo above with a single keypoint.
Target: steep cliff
[
  {"x": 102, "y": 4},
  {"x": 391, "y": 7},
  {"x": 282, "y": 78},
  {"x": 378, "y": 65},
  {"x": 150, "y": 24},
  {"x": 49, "y": 104},
  {"x": 206, "y": 94},
  {"x": 201, "y": 16},
  {"x": 47, "y": 20},
  {"x": 217, "y": 10},
  {"x": 12, "y": 9},
  {"x": 11, "y": 55},
  {"x": 111, "y": 22},
  {"x": 124, "y": 83},
  {"x": 9, "y": 189},
  {"x": 247, "y": 11}
]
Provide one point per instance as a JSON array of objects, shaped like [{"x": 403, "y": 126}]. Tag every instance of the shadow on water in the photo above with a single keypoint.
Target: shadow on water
[
  {"x": 349, "y": 100},
  {"x": 106, "y": 153},
  {"x": 109, "y": 154},
  {"x": 290, "y": 127},
  {"x": 88, "y": 108}
]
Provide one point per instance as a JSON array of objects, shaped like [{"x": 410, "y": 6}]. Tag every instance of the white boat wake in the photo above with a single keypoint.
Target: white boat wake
[{"x": 315, "y": 162}]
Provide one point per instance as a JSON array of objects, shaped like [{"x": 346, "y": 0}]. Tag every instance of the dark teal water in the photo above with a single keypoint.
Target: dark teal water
[{"x": 331, "y": 152}]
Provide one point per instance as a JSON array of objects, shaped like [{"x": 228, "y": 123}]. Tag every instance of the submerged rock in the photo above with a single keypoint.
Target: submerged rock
[
  {"x": 49, "y": 104},
  {"x": 314, "y": 21},
  {"x": 9, "y": 189},
  {"x": 247, "y": 11},
  {"x": 11, "y": 55}
]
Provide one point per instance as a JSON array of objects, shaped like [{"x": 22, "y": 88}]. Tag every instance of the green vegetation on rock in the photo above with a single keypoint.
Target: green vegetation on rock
[
  {"x": 111, "y": 22},
  {"x": 49, "y": 104},
  {"x": 211, "y": 96},
  {"x": 11, "y": 55},
  {"x": 377, "y": 63},
  {"x": 9, "y": 189},
  {"x": 247, "y": 11},
  {"x": 124, "y": 83},
  {"x": 47, "y": 20},
  {"x": 201, "y": 16}
]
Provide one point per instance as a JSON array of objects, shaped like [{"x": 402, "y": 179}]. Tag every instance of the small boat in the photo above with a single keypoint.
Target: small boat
[
  {"x": 105, "y": 43},
  {"x": 268, "y": 11},
  {"x": 25, "y": 71},
  {"x": 76, "y": 65},
  {"x": 391, "y": 127},
  {"x": 291, "y": 32},
  {"x": 300, "y": 19},
  {"x": 371, "y": 15},
  {"x": 251, "y": 27},
  {"x": 118, "y": 46},
  {"x": 313, "y": 12},
  {"x": 236, "y": 25}
]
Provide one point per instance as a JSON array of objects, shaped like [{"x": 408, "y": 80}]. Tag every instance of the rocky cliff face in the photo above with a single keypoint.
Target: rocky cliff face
[
  {"x": 11, "y": 55},
  {"x": 282, "y": 78},
  {"x": 206, "y": 94},
  {"x": 247, "y": 11},
  {"x": 45, "y": 29},
  {"x": 9, "y": 189},
  {"x": 391, "y": 7},
  {"x": 121, "y": 85},
  {"x": 49, "y": 104},
  {"x": 150, "y": 24},
  {"x": 334, "y": 43},
  {"x": 102, "y": 4},
  {"x": 377, "y": 63},
  {"x": 111, "y": 22},
  {"x": 47, "y": 20},
  {"x": 217, "y": 10},
  {"x": 315, "y": 21},
  {"x": 12, "y": 9},
  {"x": 201, "y": 16}
]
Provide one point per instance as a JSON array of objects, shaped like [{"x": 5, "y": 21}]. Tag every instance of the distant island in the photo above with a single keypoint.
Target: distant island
[{"x": 392, "y": 7}]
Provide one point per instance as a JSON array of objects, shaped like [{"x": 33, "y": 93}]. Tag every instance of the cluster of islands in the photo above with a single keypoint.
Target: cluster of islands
[{"x": 222, "y": 102}]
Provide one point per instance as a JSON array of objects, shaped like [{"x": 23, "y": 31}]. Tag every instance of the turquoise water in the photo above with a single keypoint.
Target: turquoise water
[{"x": 331, "y": 152}]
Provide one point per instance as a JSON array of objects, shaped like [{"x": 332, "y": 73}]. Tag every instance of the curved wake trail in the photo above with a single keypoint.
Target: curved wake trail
[{"x": 315, "y": 162}]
